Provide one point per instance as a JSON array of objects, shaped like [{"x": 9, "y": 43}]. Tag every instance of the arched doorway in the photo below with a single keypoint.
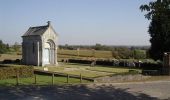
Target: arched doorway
[{"x": 49, "y": 53}]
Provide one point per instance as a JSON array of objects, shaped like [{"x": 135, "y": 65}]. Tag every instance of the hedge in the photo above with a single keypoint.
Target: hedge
[
  {"x": 144, "y": 65},
  {"x": 9, "y": 61},
  {"x": 7, "y": 71},
  {"x": 79, "y": 61}
]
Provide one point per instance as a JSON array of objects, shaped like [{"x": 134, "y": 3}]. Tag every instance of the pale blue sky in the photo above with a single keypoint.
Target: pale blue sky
[{"x": 86, "y": 22}]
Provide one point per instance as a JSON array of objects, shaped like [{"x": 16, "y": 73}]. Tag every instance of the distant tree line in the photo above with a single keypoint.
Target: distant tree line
[
  {"x": 100, "y": 47},
  {"x": 126, "y": 53},
  {"x": 3, "y": 47},
  {"x": 6, "y": 48}
]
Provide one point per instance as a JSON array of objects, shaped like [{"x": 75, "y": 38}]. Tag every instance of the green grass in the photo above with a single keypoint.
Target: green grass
[
  {"x": 87, "y": 71},
  {"x": 68, "y": 68},
  {"x": 41, "y": 80},
  {"x": 78, "y": 71}
]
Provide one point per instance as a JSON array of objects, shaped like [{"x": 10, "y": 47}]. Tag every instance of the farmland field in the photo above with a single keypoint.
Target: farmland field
[
  {"x": 10, "y": 56},
  {"x": 84, "y": 53},
  {"x": 67, "y": 54}
]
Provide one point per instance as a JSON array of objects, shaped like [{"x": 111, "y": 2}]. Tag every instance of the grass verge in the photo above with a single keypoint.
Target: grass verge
[{"x": 41, "y": 80}]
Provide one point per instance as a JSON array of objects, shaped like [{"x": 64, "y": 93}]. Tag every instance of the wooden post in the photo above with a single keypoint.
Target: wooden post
[
  {"x": 80, "y": 78},
  {"x": 17, "y": 78},
  {"x": 78, "y": 53},
  {"x": 93, "y": 53},
  {"x": 35, "y": 79},
  {"x": 38, "y": 54},
  {"x": 67, "y": 78},
  {"x": 124, "y": 64},
  {"x": 166, "y": 64},
  {"x": 52, "y": 78}
]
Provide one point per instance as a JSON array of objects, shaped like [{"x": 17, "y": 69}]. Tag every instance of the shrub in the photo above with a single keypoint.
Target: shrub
[
  {"x": 79, "y": 61},
  {"x": 18, "y": 61},
  {"x": 104, "y": 62},
  {"x": 121, "y": 63},
  {"x": 151, "y": 66},
  {"x": 7, "y": 71},
  {"x": 151, "y": 72},
  {"x": 7, "y": 61},
  {"x": 134, "y": 72},
  {"x": 19, "y": 53}
]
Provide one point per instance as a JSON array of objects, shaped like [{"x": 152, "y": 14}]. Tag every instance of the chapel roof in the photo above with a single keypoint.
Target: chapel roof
[{"x": 38, "y": 30}]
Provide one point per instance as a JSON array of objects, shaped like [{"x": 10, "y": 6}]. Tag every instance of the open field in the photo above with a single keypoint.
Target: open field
[
  {"x": 84, "y": 53},
  {"x": 67, "y": 54},
  {"x": 10, "y": 56}
]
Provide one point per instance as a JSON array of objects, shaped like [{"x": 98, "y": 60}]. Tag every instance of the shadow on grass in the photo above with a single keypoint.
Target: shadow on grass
[{"x": 70, "y": 92}]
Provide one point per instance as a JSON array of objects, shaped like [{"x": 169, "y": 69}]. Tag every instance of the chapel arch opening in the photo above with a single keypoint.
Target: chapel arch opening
[{"x": 49, "y": 52}]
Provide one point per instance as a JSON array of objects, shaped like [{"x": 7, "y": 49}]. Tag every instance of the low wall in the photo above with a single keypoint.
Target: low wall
[{"x": 120, "y": 78}]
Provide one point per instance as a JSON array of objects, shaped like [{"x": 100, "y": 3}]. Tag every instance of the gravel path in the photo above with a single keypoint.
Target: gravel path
[{"x": 128, "y": 91}]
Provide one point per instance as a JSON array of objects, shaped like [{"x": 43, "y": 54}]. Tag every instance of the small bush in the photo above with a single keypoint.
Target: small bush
[
  {"x": 151, "y": 72},
  {"x": 18, "y": 61},
  {"x": 151, "y": 66},
  {"x": 104, "y": 62},
  {"x": 7, "y": 61},
  {"x": 134, "y": 72},
  {"x": 79, "y": 61},
  {"x": 19, "y": 53},
  {"x": 11, "y": 71}
]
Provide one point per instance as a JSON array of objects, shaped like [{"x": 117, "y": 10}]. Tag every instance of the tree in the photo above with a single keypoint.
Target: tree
[
  {"x": 139, "y": 54},
  {"x": 124, "y": 53},
  {"x": 98, "y": 47},
  {"x": 159, "y": 29},
  {"x": 115, "y": 54},
  {"x": 16, "y": 47},
  {"x": 3, "y": 47},
  {"x": 102, "y": 47}
]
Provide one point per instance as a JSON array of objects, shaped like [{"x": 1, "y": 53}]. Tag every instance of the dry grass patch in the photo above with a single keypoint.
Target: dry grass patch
[{"x": 9, "y": 56}]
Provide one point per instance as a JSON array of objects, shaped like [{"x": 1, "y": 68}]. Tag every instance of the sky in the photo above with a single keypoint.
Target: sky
[{"x": 78, "y": 22}]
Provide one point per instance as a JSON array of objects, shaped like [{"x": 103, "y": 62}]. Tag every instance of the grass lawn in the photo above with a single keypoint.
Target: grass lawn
[
  {"x": 41, "y": 80},
  {"x": 78, "y": 71},
  {"x": 86, "y": 70}
]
